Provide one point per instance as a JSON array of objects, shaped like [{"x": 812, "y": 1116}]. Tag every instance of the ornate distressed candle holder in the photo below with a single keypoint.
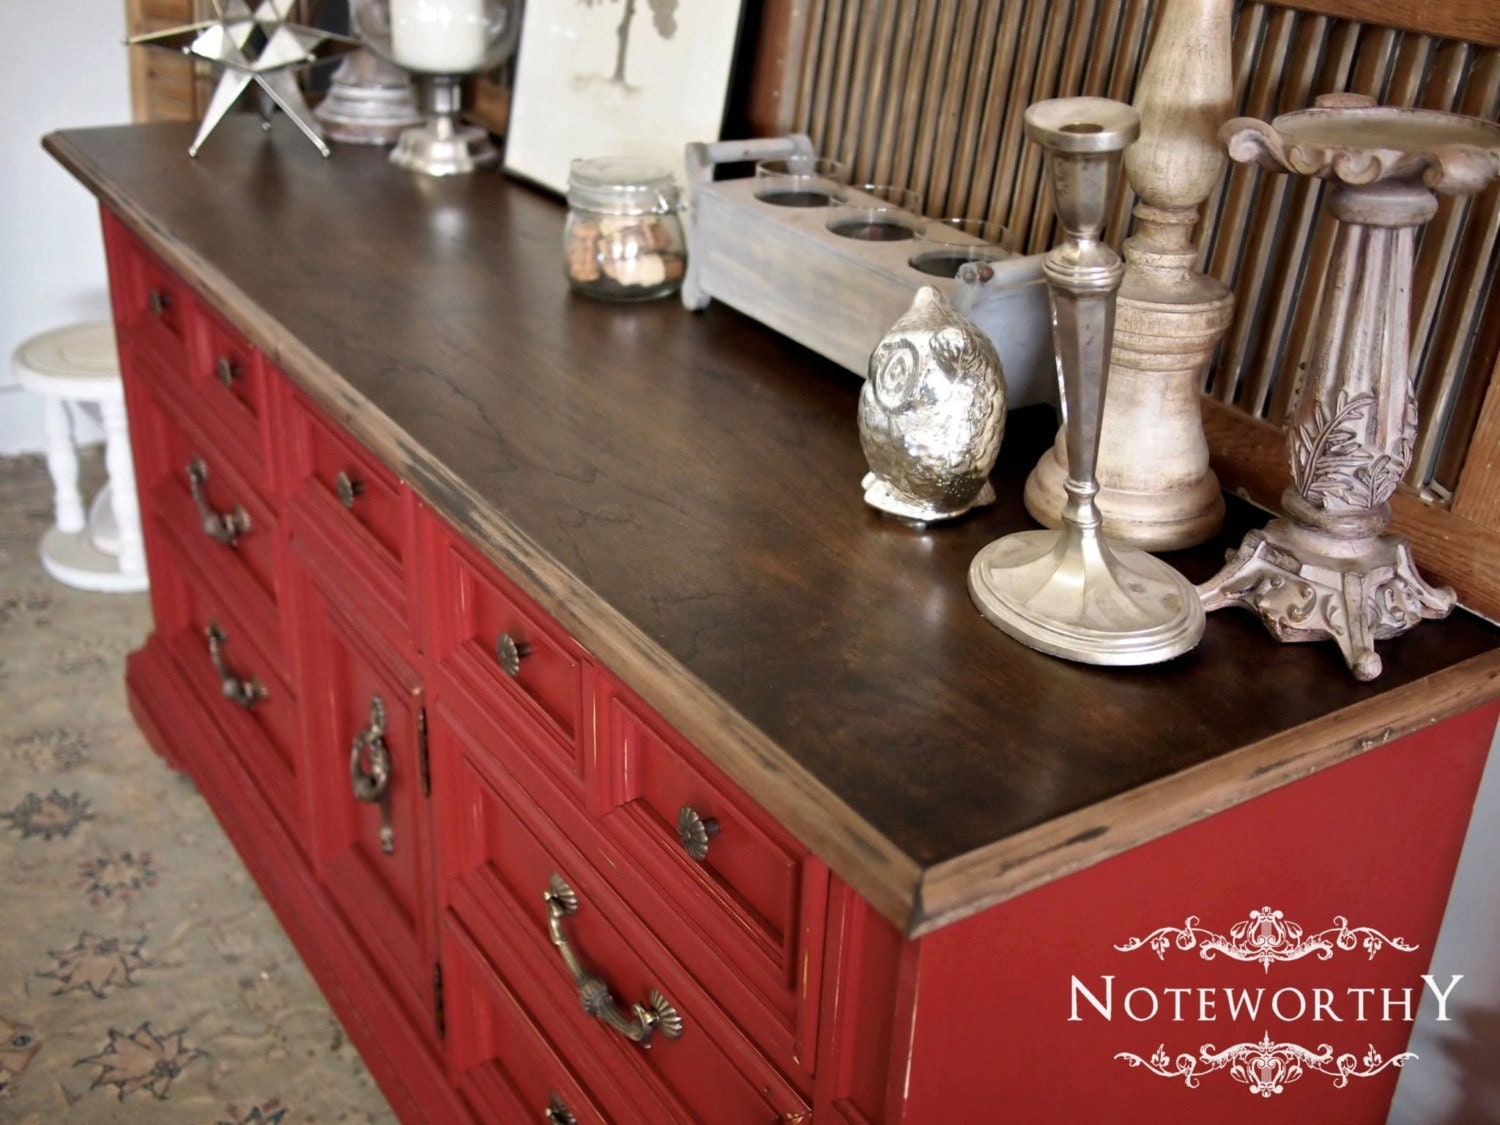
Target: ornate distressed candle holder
[
  {"x": 1068, "y": 592},
  {"x": 1327, "y": 570}
]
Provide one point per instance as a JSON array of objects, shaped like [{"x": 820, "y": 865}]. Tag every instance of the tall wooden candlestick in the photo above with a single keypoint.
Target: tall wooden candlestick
[
  {"x": 1156, "y": 490},
  {"x": 1327, "y": 571}
]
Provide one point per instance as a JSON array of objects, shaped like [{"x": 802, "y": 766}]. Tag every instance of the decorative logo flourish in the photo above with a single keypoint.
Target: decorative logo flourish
[
  {"x": 1267, "y": 1068},
  {"x": 1266, "y": 937}
]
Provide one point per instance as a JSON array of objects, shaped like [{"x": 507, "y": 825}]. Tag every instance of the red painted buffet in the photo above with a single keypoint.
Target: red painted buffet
[{"x": 607, "y": 759}]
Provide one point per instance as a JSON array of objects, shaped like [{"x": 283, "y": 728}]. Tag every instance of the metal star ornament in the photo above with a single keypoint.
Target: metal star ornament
[{"x": 255, "y": 46}]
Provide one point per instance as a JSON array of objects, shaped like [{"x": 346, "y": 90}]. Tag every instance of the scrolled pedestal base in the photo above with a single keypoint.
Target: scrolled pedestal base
[{"x": 1306, "y": 585}]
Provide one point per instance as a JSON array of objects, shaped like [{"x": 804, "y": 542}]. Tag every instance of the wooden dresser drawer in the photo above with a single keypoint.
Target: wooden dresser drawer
[
  {"x": 153, "y": 307},
  {"x": 215, "y": 518},
  {"x": 505, "y": 1066},
  {"x": 510, "y": 655},
  {"x": 232, "y": 398},
  {"x": 693, "y": 845},
  {"x": 237, "y": 684},
  {"x": 499, "y": 853},
  {"x": 351, "y": 520},
  {"x": 361, "y": 495}
]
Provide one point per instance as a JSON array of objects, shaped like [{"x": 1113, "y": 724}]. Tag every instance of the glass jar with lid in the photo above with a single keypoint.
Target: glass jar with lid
[{"x": 624, "y": 240}]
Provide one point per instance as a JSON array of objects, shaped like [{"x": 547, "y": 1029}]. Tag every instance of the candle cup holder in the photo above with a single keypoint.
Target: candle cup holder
[
  {"x": 1328, "y": 571},
  {"x": 799, "y": 181},
  {"x": 1069, "y": 592},
  {"x": 876, "y": 213},
  {"x": 440, "y": 43}
]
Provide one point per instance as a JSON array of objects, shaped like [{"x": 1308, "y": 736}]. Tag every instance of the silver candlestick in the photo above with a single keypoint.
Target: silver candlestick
[
  {"x": 1069, "y": 592},
  {"x": 1328, "y": 570}
]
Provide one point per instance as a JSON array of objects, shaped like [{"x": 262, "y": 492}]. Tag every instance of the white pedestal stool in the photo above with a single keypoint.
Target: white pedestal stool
[{"x": 101, "y": 550}]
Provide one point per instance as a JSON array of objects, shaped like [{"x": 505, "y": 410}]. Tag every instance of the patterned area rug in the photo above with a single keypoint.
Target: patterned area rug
[{"x": 142, "y": 976}]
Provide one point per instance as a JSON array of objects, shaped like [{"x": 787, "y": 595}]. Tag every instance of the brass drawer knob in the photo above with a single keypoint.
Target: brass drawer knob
[
  {"x": 226, "y": 370},
  {"x": 347, "y": 488},
  {"x": 557, "y": 1113},
  {"x": 370, "y": 771},
  {"x": 221, "y": 527},
  {"x": 240, "y": 692},
  {"x": 510, "y": 652},
  {"x": 645, "y": 1020},
  {"x": 695, "y": 832}
]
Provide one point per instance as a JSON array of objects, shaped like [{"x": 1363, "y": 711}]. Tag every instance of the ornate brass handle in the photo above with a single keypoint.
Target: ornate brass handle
[
  {"x": 157, "y": 301},
  {"x": 221, "y": 527},
  {"x": 227, "y": 370},
  {"x": 656, "y": 1014},
  {"x": 510, "y": 652},
  {"x": 347, "y": 488},
  {"x": 242, "y": 693},
  {"x": 695, "y": 832},
  {"x": 557, "y": 1113},
  {"x": 370, "y": 771}
]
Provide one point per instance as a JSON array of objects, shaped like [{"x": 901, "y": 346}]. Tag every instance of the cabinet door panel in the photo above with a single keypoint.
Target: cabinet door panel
[{"x": 367, "y": 795}]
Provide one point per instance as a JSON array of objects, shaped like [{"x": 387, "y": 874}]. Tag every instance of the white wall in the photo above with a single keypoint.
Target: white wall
[
  {"x": 62, "y": 64},
  {"x": 1456, "y": 1078}
]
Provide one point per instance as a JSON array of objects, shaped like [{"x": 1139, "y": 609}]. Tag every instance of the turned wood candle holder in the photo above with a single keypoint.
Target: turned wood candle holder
[
  {"x": 1156, "y": 490},
  {"x": 1328, "y": 570}
]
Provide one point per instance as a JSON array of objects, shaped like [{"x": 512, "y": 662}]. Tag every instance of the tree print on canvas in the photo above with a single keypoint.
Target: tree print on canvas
[{"x": 663, "y": 19}]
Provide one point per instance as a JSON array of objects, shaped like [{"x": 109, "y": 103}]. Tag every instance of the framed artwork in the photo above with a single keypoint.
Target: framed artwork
[{"x": 617, "y": 78}]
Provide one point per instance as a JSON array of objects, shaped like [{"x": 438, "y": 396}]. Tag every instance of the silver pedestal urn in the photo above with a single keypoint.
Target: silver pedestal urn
[
  {"x": 1328, "y": 571},
  {"x": 1069, "y": 592}
]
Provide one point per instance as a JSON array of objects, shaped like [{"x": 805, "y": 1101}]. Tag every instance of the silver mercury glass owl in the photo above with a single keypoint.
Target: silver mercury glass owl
[{"x": 931, "y": 414}]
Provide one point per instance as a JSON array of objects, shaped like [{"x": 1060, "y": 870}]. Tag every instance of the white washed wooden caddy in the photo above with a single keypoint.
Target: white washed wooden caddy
[{"x": 839, "y": 296}]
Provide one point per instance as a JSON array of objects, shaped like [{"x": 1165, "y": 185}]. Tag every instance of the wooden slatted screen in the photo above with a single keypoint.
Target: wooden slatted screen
[{"x": 930, "y": 95}]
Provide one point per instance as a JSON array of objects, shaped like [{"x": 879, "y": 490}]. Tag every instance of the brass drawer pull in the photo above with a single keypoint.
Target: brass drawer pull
[
  {"x": 227, "y": 371},
  {"x": 557, "y": 1113},
  {"x": 157, "y": 301},
  {"x": 347, "y": 488},
  {"x": 221, "y": 527},
  {"x": 656, "y": 1014},
  {"x": 695, "y": 832},
  {"x": 510, "y": 652},
  {"x": 242, "y": 693},
  {"x": 370, "y": 771}
]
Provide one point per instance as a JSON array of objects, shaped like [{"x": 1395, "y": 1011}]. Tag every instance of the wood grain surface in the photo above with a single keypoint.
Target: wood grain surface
[{"x": 682, "y": 492}]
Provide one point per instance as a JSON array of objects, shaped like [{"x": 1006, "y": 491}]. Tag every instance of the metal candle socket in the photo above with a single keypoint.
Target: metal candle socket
[{"x": 1069, "y": 592}]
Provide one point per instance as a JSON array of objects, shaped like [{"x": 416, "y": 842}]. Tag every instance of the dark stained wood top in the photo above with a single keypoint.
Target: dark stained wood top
[{"x": 682, "y": 492}]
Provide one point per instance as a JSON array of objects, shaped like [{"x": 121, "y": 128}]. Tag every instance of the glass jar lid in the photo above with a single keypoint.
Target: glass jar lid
[{"x": 621, "y": 185}]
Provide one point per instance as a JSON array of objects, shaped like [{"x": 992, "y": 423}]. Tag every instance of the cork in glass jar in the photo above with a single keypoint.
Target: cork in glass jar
[{"x": 623, "y": 240}]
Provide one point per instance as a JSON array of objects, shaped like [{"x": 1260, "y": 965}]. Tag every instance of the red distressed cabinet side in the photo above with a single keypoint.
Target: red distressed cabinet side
[{"x": 1373, "y": 841}]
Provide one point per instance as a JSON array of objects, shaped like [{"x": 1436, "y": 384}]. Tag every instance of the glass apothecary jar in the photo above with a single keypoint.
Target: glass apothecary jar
[{"x": 623, "y": 240}]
